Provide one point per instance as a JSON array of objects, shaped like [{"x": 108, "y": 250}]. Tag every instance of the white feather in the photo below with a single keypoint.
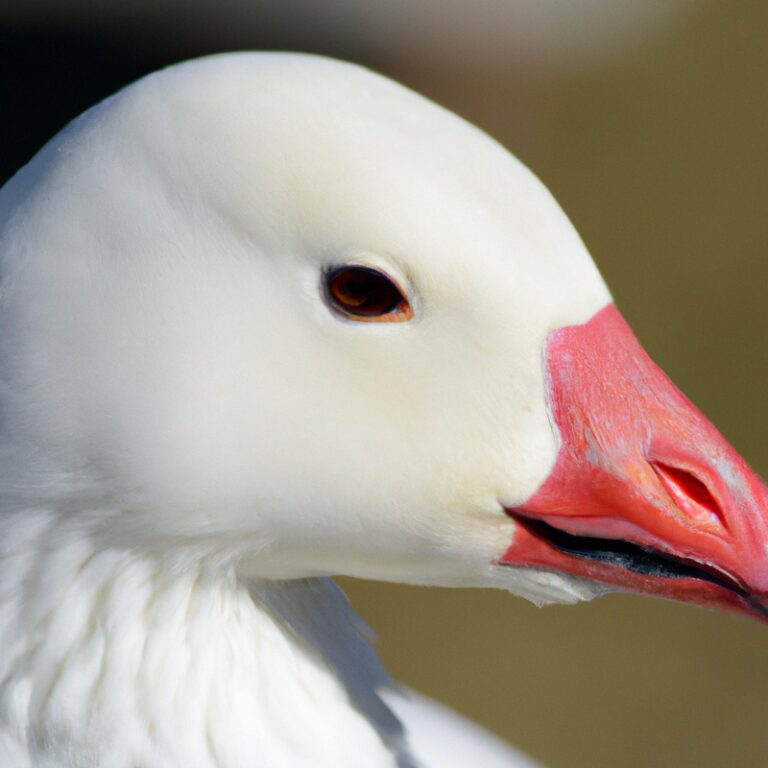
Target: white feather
[{"x": 181, "y": 414}]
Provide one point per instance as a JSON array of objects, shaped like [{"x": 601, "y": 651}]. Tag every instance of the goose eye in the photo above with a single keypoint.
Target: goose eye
[{"x": 366, "y": 294}]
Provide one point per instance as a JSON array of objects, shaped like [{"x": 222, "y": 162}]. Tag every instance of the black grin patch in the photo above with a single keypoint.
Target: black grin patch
[{"x": 630, "y": 557}]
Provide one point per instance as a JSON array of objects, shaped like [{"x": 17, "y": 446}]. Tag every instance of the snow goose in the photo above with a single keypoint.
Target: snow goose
[{"x": 266, "y": 318}]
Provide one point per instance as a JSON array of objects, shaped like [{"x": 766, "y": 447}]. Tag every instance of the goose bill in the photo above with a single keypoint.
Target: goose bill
[{"x": 645, "y": 493}]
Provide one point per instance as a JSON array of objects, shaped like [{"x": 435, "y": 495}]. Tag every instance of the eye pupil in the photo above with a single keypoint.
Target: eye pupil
[{"x": 366, "y": 294}]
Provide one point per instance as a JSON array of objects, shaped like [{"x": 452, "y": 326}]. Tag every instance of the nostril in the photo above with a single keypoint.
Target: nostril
[{"x": 691, "y": 495}]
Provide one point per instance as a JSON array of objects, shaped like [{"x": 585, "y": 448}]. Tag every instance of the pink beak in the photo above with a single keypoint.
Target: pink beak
[{"x": 645, "y": 493}]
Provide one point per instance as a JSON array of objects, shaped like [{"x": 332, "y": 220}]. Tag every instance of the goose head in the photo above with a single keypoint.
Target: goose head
[{"x": 280, "y": 309}]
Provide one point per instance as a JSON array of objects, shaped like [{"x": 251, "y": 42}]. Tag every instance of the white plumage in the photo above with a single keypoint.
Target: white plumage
[{"x": 183, "y": 420}]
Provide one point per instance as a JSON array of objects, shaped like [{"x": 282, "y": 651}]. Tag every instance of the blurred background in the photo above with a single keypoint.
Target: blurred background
[{"x": 648, "y": 120}]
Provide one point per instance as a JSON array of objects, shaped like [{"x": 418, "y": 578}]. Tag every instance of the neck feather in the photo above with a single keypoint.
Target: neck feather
[{"x": 122, "y": 659}]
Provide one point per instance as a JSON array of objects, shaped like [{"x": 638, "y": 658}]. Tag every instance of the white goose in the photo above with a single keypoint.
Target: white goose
[{"x": 269, "y": 318}]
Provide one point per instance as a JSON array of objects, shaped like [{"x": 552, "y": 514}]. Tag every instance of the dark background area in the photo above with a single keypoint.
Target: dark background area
[{"x": 651, "y": 131}]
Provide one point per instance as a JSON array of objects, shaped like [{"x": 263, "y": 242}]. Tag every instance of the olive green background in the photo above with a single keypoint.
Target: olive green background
[{"x": 659, "y": 154}]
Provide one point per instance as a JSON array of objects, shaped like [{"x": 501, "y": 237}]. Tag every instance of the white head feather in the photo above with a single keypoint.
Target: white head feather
[{"x": 166, "y": 344}]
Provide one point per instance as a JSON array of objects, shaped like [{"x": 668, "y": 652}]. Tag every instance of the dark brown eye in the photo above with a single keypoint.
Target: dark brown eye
[{"x": 366, "y": 294}]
